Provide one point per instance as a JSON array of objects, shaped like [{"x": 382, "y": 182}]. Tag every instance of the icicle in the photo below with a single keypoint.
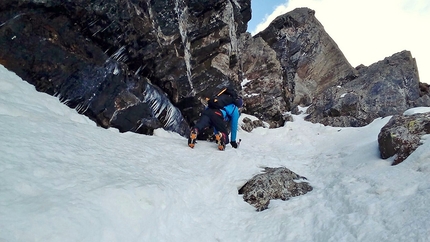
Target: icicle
[
  {"x": 82, "y": 108},
  {"x": 159, "y": 104},
  {"x": 119, "y": 55},
  {"x": 15, "y": 17},
  {"x": 182, "y": 13},
  {"x": 138, "y": 71},
  {"x": 232, "y": 25},
  {"x": 152, "y": 15}
]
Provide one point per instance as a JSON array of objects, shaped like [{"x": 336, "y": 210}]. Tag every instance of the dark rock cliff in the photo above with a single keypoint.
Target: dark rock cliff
[
  {"x": 133, "y": 65},
  {"x": 140, "y": 65}
]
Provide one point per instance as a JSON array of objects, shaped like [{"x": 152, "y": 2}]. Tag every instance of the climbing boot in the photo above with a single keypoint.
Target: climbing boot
[
  {"x": 193, "y": 137},
  {"x": 220, "y": 139}
]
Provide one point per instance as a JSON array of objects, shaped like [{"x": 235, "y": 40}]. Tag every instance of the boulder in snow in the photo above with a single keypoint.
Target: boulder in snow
[
  {"x": 274, "y": 183},
  {"x": 402, "y": 134}
]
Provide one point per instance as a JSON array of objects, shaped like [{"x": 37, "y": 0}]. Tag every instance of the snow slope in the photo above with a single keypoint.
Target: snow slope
[{"x": 64, "y": 179}]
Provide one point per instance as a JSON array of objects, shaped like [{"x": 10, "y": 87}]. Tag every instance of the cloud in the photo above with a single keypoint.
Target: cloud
[
  {"x": 367, "y": 31},
  {"x": 281, "y": 9}
]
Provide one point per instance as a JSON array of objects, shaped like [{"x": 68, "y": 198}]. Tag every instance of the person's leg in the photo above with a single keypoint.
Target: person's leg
[
  {"x": 204, "y": 121},
  {"x": 217, "y": 121},
  {"x": 201, "y": 124}
]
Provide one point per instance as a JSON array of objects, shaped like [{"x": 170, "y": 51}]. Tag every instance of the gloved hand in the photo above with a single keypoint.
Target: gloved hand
[{"x": 234, "y": 144}]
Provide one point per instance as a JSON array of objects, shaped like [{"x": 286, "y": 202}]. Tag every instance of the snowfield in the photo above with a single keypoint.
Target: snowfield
[{"x": 62, "y": 178}]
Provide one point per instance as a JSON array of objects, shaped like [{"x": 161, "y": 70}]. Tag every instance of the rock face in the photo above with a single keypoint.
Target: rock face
[
  {"x": 385, "y": 88},
  {"x": 134, "y": 65},
  {"x": 144, "y": 64},
  {"x": 401, "y": 135},
  {"x": 289, "y": 63},
  {"x": 48, "y": 50},
  {"x": 275, "y": 183},
  {"x": 264, "y": 84}
]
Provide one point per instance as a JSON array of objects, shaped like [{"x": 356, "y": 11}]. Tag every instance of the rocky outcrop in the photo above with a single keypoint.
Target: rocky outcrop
[
  {"x": 289, "y": 63},
  {"x": 401, "y": 136},
  {"x": 308, "y": 69},
  {"x": 385, "y": 88},
  {"x": 274, "y": 183},
  {"x": 263, "y": 85},
  {"x": 248, "y": 125}
]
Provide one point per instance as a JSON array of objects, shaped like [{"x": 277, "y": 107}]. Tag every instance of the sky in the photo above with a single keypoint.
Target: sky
[
  {"x": 366, "y": 31},
  {"x": 62, "y": 178}
]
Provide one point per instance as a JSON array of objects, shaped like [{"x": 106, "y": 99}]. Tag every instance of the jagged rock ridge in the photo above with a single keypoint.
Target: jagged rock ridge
[
  {"x": 385, "y": 88},
  {"x": 291, "y": 61}
]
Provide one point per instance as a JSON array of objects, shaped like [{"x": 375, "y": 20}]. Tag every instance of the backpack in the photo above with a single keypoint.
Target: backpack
[{"x": 225, "y": 97}]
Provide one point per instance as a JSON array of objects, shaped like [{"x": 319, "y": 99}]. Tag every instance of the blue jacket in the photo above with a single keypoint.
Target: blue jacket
[{"x": 231, "y": 114}]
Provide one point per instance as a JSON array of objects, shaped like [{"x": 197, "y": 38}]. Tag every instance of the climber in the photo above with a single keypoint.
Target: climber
[{"x": 221, "y": 109}]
